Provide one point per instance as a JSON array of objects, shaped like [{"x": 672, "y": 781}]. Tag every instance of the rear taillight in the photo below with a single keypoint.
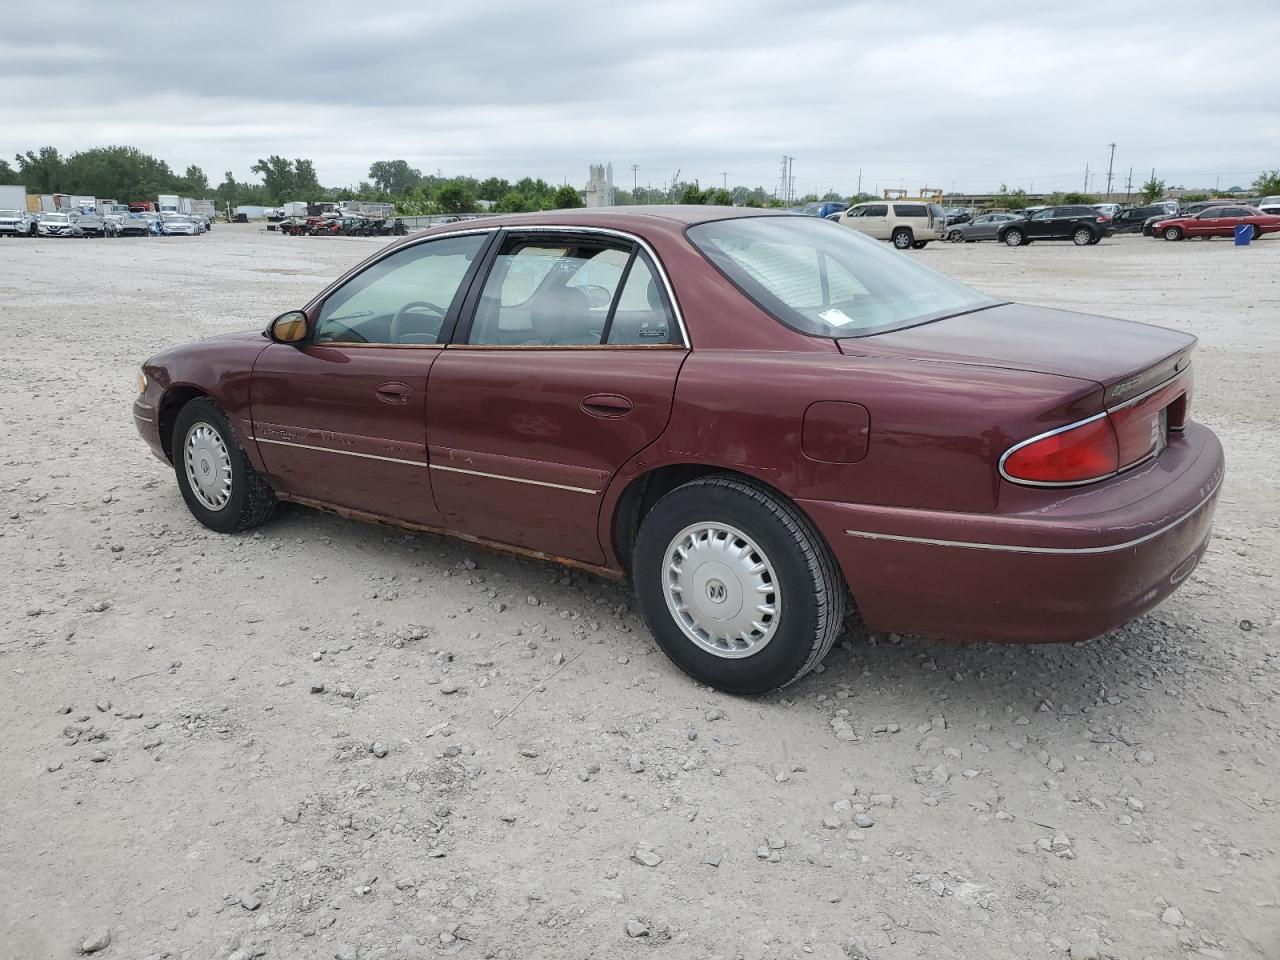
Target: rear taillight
[
  {"x": 1102, "y": 445},
  {"x": 1104, "y": 219},
  {"x": 1080, "y": 453}
]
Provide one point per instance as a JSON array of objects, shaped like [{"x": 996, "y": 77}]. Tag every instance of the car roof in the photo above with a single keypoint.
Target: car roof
[{"x": 687, "y": 214}]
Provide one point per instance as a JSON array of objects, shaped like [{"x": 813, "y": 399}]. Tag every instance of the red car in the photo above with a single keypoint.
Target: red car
[
  {"x": 754, "y": 417},
  {"x": 1217, "y": 222}
]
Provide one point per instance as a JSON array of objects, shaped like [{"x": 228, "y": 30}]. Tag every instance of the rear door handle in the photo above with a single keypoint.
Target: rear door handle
[
  {"x": 606, "y": 405},
  {"x": 394, "y": 392}
]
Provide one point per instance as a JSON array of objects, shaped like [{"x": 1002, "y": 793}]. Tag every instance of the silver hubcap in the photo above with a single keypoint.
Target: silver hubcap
[
  {"x": 721, "y": 590},
  {"x": 208, "y": 466},
  {"x": 1083, "y": 237},
  {"x": 1013, "y": 239}
]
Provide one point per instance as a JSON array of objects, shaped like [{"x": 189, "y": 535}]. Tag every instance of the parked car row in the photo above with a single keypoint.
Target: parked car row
[
  {"x": 331, "y": 226},
  {"x": 20, "y": 223},
  {"x": 1085, "y": 225}
]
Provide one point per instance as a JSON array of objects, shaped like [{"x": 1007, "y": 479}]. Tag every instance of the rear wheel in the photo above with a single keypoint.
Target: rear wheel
[
  {"x": 737, "y": 586},
  {"x": 1082, "y": 237},
  {"x": 1173, "y": 233},
  {"x": 902, "y": 238},
  {"x": 1014, "y": 238},
  {"x": 919, "y": 244},
  {"x": 219, "y": 484}
]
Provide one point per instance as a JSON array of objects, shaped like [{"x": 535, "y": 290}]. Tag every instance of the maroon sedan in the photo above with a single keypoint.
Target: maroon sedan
[
  {"x": 1217, "y": 222},
  {"x": 754, "y": 417}
]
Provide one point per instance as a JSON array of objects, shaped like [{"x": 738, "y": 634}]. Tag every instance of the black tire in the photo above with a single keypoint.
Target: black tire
[
  {"x": 1172, "y": 233},
  {"x": 919, "y": 244},
  {"x": 1013, "y": 238},
  {"x": 811, "y": 591},
  {"x": 251, "y": 501},
  {"x": 902, "y": 238},
  {"x": 955, "y": 236},
  {"x": 1083, "y": 236}
]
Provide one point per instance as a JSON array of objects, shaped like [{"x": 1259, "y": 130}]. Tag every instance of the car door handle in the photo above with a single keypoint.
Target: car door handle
[
  {"x": 606, "y": 405},
  {"x": 394, "y": 392}
]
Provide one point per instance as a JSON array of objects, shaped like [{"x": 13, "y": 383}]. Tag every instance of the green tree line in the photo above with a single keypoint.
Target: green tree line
[{"x": 126, "y": 173}]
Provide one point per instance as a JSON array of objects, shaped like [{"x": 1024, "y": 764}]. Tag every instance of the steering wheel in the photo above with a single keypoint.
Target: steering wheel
[{"x": 398, "y": 320}]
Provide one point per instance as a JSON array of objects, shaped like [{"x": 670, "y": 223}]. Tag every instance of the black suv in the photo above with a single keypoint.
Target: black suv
[
  {"x": 1080, "y": 224},
  {"x": 1132, "y": 219}
]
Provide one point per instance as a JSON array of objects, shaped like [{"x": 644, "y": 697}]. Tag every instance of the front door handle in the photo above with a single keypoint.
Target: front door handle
[
  {"x": 606, "y": 405},
  {"x": 394, "y": 392}
]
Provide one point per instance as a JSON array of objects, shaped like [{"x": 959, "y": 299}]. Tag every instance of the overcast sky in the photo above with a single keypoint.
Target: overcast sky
[{"x": 962, "y": 94}]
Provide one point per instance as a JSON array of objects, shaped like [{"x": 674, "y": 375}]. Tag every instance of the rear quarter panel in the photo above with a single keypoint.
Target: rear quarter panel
[{"x": 937, "y": 430}]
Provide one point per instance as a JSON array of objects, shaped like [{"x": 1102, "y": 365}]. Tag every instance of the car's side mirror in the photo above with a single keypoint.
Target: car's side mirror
[{"x": 289, "y": 327}]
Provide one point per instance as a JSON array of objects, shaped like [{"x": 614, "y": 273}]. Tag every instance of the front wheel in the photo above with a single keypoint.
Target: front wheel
[
  {"x": 902, "y": 239},
  {"x": 736, "y": 584},
  {"x": 955, "y": 236},
  {"x": 1014, "y": 238},
  {"x": 219, "y": 484},
  {"x": 1172, "y": 233}
]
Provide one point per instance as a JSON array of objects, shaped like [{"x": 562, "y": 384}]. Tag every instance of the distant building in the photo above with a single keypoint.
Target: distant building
[{"x": 600, "y": 185}]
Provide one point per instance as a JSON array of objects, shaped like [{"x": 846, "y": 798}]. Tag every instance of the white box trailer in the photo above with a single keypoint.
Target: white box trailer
[
  {"x": 204, "y": 208},
  {"x": 294, "y": 208},
  {"x": 167, "y": 203},
  {"x": 13, "y": 198}
]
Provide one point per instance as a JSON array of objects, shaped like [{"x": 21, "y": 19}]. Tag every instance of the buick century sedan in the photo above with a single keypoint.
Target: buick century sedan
[{"x": 758, "y": 419}]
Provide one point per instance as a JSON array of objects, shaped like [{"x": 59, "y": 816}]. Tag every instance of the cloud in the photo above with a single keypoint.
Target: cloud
[{"x": 955, "y": 95}]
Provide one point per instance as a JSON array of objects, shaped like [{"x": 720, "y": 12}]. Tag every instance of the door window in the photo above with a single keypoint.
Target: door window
[
  {"x": 401, "y": 299},
  {"x": 1043, "y": 214},
  {"x": 872, "y": 210},
  {"x": 576, "y": 292},
  {"x": 910, "y": 210}
]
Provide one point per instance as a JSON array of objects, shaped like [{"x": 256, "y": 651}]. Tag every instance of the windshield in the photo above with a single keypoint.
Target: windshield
[{"x": 827, "y": 280}]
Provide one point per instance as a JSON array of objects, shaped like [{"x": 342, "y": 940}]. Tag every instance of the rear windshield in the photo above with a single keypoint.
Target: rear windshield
[{"x": 827, "y": 280}]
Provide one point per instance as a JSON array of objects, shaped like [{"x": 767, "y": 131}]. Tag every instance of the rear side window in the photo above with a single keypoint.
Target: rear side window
[
  {"x": 575, "y": 292},
  {"x": 910, "y": 210}
]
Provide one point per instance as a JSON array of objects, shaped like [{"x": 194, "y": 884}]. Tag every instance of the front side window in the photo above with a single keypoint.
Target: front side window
[
  {"x": 828, "y": 282},
  {"x": 1043, "y": 214},
  {"x": 401, "y": 299},
  {"x": 1213, "y": 213},
  {"x": 871, "y": 210},
  {"x": 575, "y": 292}
]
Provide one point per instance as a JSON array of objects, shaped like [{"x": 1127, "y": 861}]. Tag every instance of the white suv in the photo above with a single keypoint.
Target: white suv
[{"x": 907, "y": 223}]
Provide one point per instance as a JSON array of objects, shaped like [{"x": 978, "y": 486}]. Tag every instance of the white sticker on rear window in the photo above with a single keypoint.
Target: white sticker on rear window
[{"x": 836, "y": 317}]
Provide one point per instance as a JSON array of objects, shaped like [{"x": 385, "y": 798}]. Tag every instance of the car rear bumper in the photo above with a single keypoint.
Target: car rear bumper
[{"x": 1071, "y": 570}]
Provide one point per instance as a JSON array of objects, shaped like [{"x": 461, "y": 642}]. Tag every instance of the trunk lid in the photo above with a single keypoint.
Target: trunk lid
[{"x": 1124, "y": 357}]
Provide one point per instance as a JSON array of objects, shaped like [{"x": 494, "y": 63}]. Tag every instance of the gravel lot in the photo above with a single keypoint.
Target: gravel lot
[{"x": 503, "y": 765}]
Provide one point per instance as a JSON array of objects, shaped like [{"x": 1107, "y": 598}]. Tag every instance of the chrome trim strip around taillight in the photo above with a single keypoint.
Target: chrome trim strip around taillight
[
  {"x": 1080, "y": 423},
  {"x": 1043, "y": 436},
  {"x": 1016, "y": 548}
]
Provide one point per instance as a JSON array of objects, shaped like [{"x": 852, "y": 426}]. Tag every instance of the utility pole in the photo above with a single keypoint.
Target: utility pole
[
  {"x": 1086, "y": 177},
  {"x": 859, "y": 183},
  {"x": 725, "y": 177},
  {"x": 1109, "y": 163},
  {"x": 635, "y": 179},
  {"x": 1128, "y": 186},
  {"x": 782, "y": 185}
]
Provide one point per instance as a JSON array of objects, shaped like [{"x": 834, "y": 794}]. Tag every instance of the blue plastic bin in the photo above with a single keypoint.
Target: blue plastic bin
[{"x": 1244, "y": 234}]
